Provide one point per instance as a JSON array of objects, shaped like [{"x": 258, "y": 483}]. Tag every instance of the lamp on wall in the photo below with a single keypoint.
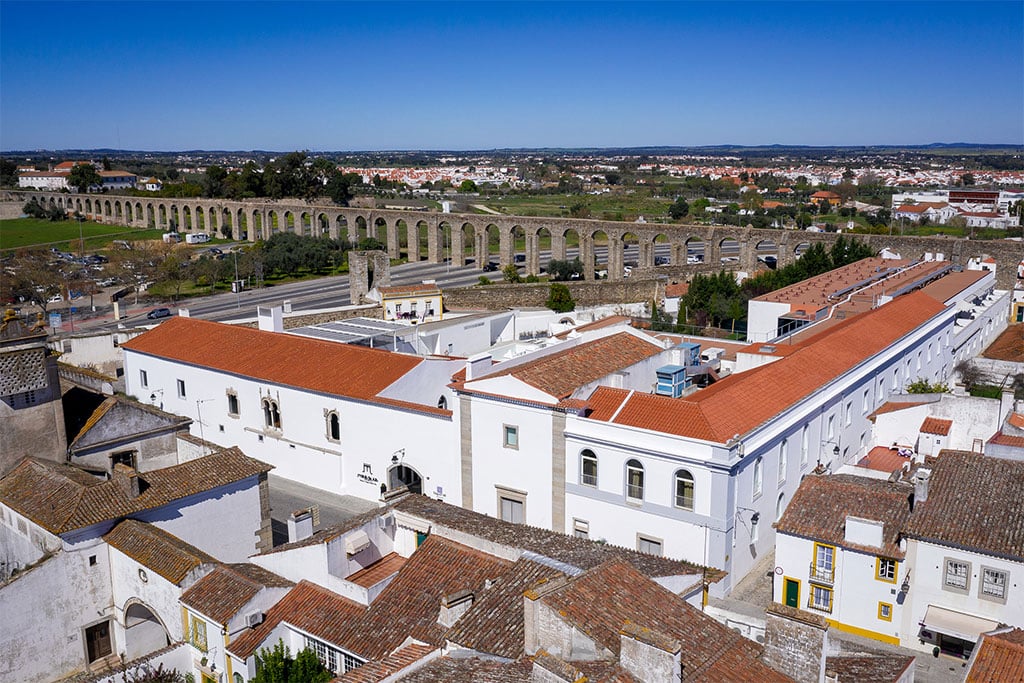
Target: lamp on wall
[{"x": 395, "y": 456}]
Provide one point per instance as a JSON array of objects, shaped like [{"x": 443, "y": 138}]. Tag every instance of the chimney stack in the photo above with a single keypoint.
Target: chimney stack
[{"x": 921, "y": 485}]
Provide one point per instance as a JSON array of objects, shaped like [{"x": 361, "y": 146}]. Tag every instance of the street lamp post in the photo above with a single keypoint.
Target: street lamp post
[{"x": 81, "y": 239}]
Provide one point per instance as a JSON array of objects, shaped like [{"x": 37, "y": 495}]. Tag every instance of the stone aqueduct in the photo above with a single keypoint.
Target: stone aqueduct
[{"x": 451, "y": 233}]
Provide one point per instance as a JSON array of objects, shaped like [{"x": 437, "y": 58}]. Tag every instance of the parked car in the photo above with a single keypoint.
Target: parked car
[{"x": 159, "y": 313}]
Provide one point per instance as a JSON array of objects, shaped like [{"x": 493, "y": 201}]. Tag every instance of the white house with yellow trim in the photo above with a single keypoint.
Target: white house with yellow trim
[
  {"x": 929, "y": 564},
  {"x": 414, "y": 303}
]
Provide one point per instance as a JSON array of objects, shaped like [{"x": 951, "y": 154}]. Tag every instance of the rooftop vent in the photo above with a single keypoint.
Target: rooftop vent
[{"x": 767, "y": 348}]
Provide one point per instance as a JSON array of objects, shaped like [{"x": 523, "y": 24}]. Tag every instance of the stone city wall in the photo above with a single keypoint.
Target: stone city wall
[{"x": 499, "y": 297}]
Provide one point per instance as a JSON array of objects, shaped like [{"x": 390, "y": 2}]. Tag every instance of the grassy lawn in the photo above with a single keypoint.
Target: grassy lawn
[
  {"x": 17, "y": 233},
  {"x": 616, "y": 206}
]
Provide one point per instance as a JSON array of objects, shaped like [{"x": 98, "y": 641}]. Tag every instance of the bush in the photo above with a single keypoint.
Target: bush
[
  {"x": 560, "y": 298},
  {"x": 483, "y": 280},
  {"x": 922, "y": 386}
]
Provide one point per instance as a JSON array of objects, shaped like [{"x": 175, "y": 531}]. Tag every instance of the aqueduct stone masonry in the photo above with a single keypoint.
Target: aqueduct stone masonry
[{"x": 468, "y": 236}]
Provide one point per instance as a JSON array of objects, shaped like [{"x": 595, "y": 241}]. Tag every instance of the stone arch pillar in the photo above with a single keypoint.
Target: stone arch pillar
[
  {"x": 533, "y": 252},
  {"x": 506, "y": 245},
  {"x": 435, "y": 246},
  {"x": 587, "y": 255},
  {"x": 391, "y": 230},
  {"x": 616, "y": 258},
  {"x": 359, "y": 263},
  {"x": 480, "y": 252},
  {"x": 646, "y": 258},
  {"x": 748, "y": 251},
  {"x": 458, "y": 245},
  {"x": 557, "y": 245}
]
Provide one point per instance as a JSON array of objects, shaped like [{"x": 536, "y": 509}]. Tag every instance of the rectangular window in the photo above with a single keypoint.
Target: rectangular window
[
  {"x": 233, "y": 404},
  {"x": 885, "y": 611},
  {"x": 181, "y": 388},
  {"x": 651, "y": 546},
  {"x": 823, "y": 568},
  {"x": 885, "y": 569},
  {"x": 993, "y": 584},
  {"x": 957, "y": 575},
  {"x": 327, "y": 655},
  {"x": 512, "y": 510},
  {"x": 123, "y": 458},
  {"x": 144, "y": 379},
  {"x": 197, "y": 634},
  {"x": 831, "y": 431},
  {"x": 805, "y": 444},
  {"x": 65, "y": 346},
  {"x": 783, "y": 459},
  {"x": 580, "y": 528},
  {"x": 820, "y": 598},
  {"x": 511, "y": 436},
  {"x": 849, "y": 413},
  {"x": 758, "y": 477},
  {"x": 867, "y": 401}
]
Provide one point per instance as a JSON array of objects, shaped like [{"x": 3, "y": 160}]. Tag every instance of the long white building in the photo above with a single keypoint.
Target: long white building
[{"x": 572, "y": 438}]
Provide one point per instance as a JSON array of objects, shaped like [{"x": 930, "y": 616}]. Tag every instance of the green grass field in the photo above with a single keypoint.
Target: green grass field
[
  {"x": 619, "y": 206},
  {"x": 18, "y": 233}
]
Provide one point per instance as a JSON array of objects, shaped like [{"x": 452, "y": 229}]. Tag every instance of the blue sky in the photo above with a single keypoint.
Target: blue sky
[{"x": 481, "y": 75}]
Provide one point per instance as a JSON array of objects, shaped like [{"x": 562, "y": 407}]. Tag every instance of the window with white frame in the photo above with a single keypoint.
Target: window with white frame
[
  {"x": 867, "y": 401},
  {"x": 646, "y": 544},
  {"x": 805, "y": 444},
  {"x": 820, "y": 598},
  {"x": 232, "y": 403},
  {"x": 588, "y": 468},
  {"x": 511, "y": 509},
  {"x": 333, "y": 426},
  {"x": 634, "y": 480},
  {"x": 684, "y": 490},
  {"x": 780, "y": 506},
  {"x": 334, "y": 660},
  {"x": 957, "y": 576},
  {"x": 849, "y": 413},
  {"x": 831, "y": 431},
  {"x": 510, "y": 436},
  {"x": 895, "y": 380},
  {"x": 881, "y": 390},
  {"x": 580, "y": 528},
  {"x": 783, "y": 459},
  {"x": 918, "y": 361},
  {"x": 993, "y": 584},
  {"x": 181, "y": 388},
  {"x": 144, "y": 379},
  {"x": 758, "y": 476}
]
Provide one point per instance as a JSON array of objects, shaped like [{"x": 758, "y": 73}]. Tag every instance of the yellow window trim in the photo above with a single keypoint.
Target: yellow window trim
[
  {"x": 882, "y": 616},
  {"x": 878, "y": 568},
  {"x": 874, "y": 635},
  {"x": 824, "y": 545}
]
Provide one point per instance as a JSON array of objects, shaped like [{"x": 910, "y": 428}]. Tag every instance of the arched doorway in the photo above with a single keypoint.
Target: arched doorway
[
  {"x": 403, "y": 475},
  {"x": 143, "y": 631}
]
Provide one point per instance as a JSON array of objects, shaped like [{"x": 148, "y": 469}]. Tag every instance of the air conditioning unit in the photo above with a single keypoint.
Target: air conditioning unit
[
  {"x": 385, "y": 521},
  {"x": 253, "y": 619}
]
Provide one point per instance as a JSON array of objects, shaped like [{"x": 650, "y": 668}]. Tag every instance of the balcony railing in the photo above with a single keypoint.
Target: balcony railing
[{"x": 822, "y": 574}]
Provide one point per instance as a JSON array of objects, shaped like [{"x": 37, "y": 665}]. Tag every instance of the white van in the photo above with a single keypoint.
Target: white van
[
  {"x": 172, "y": 237},
  {"x": 197, "y": 237}
]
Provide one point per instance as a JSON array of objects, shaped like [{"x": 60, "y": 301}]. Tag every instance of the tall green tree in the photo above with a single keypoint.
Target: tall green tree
[
  {"x": 560, "y": 298},
  {"x": 83, "y": 176}
]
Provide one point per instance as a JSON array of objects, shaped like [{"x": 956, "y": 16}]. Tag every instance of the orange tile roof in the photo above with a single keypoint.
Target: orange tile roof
[
  {"x": 741, "y": 402},
  {"x": 893, "y": 406},
  {"x": 561, "y": 373},
  {"x": 62, "y": 498},
  {"x": 998, "y": 657},
  {"x": 934, "y": 425},
  {"x": 677, "y": 289},
  {"x": 378, "y": 571},
  {"x": 223, "y": 592},
  {"x": 371, "y": 672},
  {"x": 1016, "y": 420},
  {"x": 602, "y": 601},
  {"x": 163, "y": 553},
  {"x": 409, "y": 290},
  {"x": 951, "y": 284},
  {"x": 346, "y": 370},
  {"x": 883, "y": 459}
]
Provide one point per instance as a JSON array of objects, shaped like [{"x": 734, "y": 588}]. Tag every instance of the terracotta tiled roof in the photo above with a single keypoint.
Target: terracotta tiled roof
[
  {"x": 998, "y": 657},
  {"x": 330, "y": 533},
  {"x": 576, "y": 552},
  {"x": 371, "y": 672},
  {"x": 155, "y": 549},
  {"x": 1016, "y": 420},
  {"x": 409, "y": 290},
  {"x": 893, "y": 406},
  {"x": 408, "y": 607},
  {"x": 741, "y": 402},
  {"x": 373, "y": 574},
  {"x": 951, "y": 284},
  {"x": 62, "y": 498},
  {"x": 867, "y": 668},
  {"x": 494, "y": 624},
  {"x": 471, "y": 670},
  {"x": 819, "y": 508},
  {"x": 329, "y": 367},
  {"x": 609, "y": 321},
  {"x": 601, "y": 601},
  {"x": 913, "y": 208},
  {"x": 677, "y": 289},
  {"x": 221, "y": 593},
  {"x": 1001, "y": 439},
  {"x": 824, "y": 194},
  {"x": 973, "y": 502},
  {"x": 561, "y": 373},
  {"x": 934, "y": 425},
  {"x": 309, "y": 606}
]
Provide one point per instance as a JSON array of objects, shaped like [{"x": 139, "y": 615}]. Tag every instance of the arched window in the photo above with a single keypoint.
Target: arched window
[
  {"x": 684, "y": 490},
  {"x": 634, "y": 480},
  {"x": 271, "y": 414},
  {"x": 804, "y": 445},
  {"x": 588, "y": 468},
  {"x": 442, "y": 402},
  {"x": 780, "y": 505},
  {"x": 333, "y": 426}
]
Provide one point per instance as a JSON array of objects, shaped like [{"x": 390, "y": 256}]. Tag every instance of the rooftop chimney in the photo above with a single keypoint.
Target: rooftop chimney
[
  {"x": 454, "y": 606},
  {"x": 477, "y": 365},
  {"x": 127, "y": 479},
  {"x": 270, "y": 319},
  {"x": 921, "y": 485},
  {"x": 300, "y": 525}
]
